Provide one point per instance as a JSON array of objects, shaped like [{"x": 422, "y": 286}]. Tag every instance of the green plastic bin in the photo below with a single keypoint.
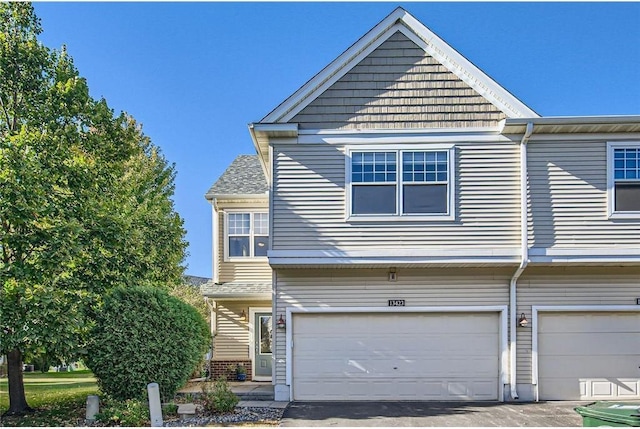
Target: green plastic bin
[{"x": 611, "y": 414}]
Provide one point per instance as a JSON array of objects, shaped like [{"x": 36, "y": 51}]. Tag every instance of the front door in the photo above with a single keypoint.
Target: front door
[{"x": 263, "y": 326}]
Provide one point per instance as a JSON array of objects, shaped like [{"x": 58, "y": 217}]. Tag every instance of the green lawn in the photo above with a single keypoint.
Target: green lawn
[{"x": 58, "y": 397}]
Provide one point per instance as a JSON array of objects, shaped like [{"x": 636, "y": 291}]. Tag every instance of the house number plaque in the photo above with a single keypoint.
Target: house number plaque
[{"x": 396, "y": 303}]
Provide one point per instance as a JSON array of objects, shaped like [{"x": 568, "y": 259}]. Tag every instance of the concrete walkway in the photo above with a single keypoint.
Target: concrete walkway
[
  {"x": 251, "y": 393},
  {"x": 430, "y": 414}
]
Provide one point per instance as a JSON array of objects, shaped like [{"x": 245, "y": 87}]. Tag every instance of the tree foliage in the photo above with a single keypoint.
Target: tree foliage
[
  {"x": 85, "y": 201},
  {"x": 144, "y": 335},
  {"x": 192, "y": 296}
]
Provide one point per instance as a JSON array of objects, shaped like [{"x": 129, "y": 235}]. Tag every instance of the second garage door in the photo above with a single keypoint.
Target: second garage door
[
  {"x": 586, "y": 356},
  {"x": 399, "y": 356}
]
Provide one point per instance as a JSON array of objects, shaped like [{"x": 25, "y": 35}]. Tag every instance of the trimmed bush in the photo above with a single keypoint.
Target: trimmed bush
[
  {"x": 142, "y": 335},
  {"x": 217, "y": 397}
]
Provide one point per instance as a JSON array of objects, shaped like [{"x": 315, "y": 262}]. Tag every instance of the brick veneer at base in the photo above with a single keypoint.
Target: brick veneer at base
[{"x": 221, "y": 368}]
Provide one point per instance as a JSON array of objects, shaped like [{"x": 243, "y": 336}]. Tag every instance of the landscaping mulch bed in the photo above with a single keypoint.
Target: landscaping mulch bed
[{"x": 241, "y": 416}]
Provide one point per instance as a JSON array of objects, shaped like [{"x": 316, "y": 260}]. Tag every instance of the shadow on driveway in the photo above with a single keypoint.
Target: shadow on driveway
[{"x": 430, "y": 414}]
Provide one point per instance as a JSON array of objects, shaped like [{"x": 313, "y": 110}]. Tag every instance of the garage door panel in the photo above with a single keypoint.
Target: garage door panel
[
  {"x": 583, "y": 343},
  {"x": 424, "y": 356},
  {"x": 588, "y": 322},
  {"x": 596, "y": 358}
]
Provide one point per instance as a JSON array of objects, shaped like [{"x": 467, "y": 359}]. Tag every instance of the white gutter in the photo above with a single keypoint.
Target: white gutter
[
  {"x": 216, "y": 232},
  {"x": 524, "y": 246}
]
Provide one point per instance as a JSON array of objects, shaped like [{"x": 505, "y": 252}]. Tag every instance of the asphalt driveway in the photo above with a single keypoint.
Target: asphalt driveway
[{"x": 429, "y": 414}]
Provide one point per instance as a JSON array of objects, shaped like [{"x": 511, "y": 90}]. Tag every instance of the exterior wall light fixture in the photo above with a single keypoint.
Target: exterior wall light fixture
[
  {"x": 523, "y": 322},
  {"x": 281, "y": 324}
]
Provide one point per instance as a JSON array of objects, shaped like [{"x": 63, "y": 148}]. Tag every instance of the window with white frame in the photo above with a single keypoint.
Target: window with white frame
[
  {"x": 247, "y": 235},
  {"x": 404, "y": 182},
  {"x": 624, "y": 178}
]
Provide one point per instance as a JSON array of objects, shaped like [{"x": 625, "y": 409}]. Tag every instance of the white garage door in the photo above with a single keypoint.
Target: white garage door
[
  {"x": 401, "y": 356},
  {"x": 585, "y": 356}
]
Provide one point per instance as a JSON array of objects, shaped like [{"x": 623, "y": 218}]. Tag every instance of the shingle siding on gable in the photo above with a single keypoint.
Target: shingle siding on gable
[{"x": 398, "y": 86}]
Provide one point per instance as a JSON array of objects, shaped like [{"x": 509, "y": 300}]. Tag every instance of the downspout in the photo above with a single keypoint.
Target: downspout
[
  {"x": 524, "y": 260},
  {"x": 213, "y": 314},
  {"x": 216, "y": 244}
]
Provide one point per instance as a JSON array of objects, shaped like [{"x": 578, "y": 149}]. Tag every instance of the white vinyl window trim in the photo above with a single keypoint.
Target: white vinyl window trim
[
  {"x": 612, "y": 181},
  {"x": 399, "y": 149},
  {"x": 255, "y": 231}
]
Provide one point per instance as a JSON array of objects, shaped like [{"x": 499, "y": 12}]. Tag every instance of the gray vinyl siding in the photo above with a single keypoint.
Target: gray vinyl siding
[
  {"x": 570, "y": 286},
  {"x": 309, "y": 201},
  {"x": 232, "y": 332},
  {"x": 398, "y": 86},
  {"x": 568, "y": 191},
  {"x": 370, "y": 288},
  {"x": 240, "y": 271}
]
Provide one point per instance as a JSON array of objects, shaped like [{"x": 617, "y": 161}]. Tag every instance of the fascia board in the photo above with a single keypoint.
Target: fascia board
[
  {"x": 334, "y": 71},
  {"x": 400, "y": 20},
  {"x": 239, "y": 296},
  {"x": 237, "y": 196},
  {"x": 575, "y": 120},
  {"x": 312, "y": 85},
  {"x": 465, "y": 69},
  {"x": 579, "y": 123}
]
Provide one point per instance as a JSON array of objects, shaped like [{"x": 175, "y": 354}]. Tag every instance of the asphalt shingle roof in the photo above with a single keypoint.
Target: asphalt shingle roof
[
  {"x": 243, "y": 177},
  {"x": 235, "y": 289}
]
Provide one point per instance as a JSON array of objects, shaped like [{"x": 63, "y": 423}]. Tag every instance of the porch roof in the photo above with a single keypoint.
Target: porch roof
[{"x": 236, "y": 290}]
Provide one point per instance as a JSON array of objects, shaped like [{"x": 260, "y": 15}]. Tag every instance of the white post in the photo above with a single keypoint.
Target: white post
[
  {"x": 93, "y": 407},
  {"x": 155, "y": 408}
]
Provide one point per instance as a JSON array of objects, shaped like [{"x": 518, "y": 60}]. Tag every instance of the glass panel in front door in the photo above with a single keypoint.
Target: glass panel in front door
[{"x": 265, "y": 335}]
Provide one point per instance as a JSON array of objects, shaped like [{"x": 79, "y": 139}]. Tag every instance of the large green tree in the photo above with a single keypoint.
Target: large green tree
[{"x": 85, "y": 202}]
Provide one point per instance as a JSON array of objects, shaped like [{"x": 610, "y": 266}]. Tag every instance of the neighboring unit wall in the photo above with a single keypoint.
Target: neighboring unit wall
[
  {"x": 309, "y": 201},
  {"x": 398, "y": 86},
  {"x": 256, "y": 270},
  {"x": 568, "y": 286},
  {"x": 370, "y": 288},
  {"x": 568, "y": 206}
]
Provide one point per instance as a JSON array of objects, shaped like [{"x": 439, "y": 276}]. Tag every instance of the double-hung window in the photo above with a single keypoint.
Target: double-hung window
[
  {"x": 624, "y": 178},
  {"x": 405, "y": 183},
  {"x": 247, "y": 235}
]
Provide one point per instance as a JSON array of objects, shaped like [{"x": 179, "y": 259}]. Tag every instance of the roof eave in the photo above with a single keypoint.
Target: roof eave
[
  {"x": 238, "y": 296},
  {"x": 210, "y": 196},
  {"x": 572, "y": 124},
  {"x": 261, "y": 133}
]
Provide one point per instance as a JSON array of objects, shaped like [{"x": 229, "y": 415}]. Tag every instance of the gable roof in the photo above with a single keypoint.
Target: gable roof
[
  {"x": 401, "y": 21},
  {"x": 243, "y": 177}
]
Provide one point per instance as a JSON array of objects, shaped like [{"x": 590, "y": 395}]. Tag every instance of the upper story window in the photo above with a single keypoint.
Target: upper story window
[
  {"x": 247, "y": 235},
  {"x": 624, "y": 179},
  {"x": 401, "y": 183}
]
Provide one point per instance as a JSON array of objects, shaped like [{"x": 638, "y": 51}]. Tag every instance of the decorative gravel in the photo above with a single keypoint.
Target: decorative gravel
[{"x": 239, "y": 415}]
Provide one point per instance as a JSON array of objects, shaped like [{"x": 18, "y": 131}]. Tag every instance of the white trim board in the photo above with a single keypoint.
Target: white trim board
[
  {"x": 535, "y": 309},
  {"x": 503, "y": 331}
]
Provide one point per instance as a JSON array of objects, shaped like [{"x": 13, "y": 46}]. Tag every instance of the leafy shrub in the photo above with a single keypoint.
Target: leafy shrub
[
  {"x": 131, "y": 412},
  {"x": 217, "y": 397},
  {"x": 142, "y": 335}
]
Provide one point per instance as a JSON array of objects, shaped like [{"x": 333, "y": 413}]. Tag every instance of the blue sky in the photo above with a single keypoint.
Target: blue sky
[{"x": 195, "y": 74}]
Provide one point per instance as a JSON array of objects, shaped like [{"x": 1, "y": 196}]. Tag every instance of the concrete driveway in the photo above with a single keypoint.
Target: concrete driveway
[{"x": 429, "y": 414}]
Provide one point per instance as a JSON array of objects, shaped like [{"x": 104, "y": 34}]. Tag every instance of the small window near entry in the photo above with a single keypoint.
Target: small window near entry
[
  {"x": 247, "y": 235},
  {"x": 624, "y": 186}
]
